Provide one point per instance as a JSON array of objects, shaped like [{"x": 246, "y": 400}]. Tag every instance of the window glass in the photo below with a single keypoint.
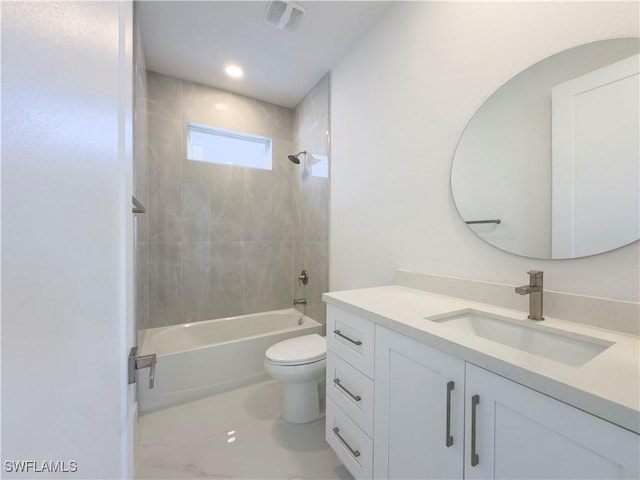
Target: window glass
[{"x": 216, "y": 145}]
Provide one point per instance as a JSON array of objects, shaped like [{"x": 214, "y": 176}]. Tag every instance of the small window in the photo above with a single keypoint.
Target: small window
[
  {"x": 320, "y": 166},
  {"x": 216, "y": 145}
]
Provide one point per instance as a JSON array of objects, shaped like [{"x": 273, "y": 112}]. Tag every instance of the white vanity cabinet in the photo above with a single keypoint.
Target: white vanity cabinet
[
  {"x": 433, "y": 415},
  {"x": 419, "y": 413}
]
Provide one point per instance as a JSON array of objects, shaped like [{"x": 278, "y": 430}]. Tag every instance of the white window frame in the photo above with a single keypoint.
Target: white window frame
[{"x": 241, "y": 136}]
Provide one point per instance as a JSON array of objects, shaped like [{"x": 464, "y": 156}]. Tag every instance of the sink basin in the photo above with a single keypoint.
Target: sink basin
[{"x": 565, "y": 347}]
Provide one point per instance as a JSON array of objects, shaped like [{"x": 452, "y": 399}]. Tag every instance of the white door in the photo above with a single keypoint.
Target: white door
[
  {"x": 595, "y": 160},
  {"x": 67, "y": 317},
  {"x": 523, "y": 434},
  {"x": 419, "y": 391}
]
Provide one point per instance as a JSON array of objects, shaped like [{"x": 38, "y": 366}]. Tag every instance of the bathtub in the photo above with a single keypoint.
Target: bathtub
[{"x": 195, "y": 360}]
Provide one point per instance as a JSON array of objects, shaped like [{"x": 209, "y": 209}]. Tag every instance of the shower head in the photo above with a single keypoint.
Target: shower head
[{"x": 295, "y": 159}]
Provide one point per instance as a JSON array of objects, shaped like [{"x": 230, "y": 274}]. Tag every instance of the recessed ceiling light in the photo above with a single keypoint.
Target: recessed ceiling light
[
  {"x": 234, "y": 71},
  {"x": 221, "y": 106}
]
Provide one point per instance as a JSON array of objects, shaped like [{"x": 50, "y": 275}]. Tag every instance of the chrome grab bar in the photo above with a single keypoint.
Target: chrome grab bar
[
  {"x": 137, "y": 206},
  {"x": 336, "y": 432},
  {"x": 357, "y": 398},
  {"x": 474, "y": 222},
  {"x": 355, "y": 342}
]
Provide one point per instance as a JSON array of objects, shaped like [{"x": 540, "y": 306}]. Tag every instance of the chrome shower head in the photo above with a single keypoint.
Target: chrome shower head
[{"x": 295, "y": 159}]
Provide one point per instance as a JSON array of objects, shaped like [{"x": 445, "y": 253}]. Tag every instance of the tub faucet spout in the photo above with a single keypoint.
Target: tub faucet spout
[
  {"x": 534, "y": 290},
  {"x": 299, "y": 301}
]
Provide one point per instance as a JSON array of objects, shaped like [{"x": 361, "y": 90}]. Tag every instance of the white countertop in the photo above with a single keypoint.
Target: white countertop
[{"x": 607, "y": 386}]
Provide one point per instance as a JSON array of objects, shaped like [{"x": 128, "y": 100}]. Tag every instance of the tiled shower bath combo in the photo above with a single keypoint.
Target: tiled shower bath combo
[{"x": 221, "y": 240}]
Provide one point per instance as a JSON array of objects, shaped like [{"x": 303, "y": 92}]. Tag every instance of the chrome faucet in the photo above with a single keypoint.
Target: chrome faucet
[
  {"x": 299, "y": 301},
  {"x": 534, "y": 290}
]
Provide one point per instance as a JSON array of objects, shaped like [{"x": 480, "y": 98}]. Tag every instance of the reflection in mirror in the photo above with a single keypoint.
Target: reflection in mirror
[{"x": 548, "y": 167}]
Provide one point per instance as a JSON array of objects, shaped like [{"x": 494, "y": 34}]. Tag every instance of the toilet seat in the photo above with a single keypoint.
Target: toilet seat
[{"x": 298, "y": 351}]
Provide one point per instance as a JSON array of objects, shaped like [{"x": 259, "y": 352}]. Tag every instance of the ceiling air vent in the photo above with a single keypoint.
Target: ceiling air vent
[{"x": 284, "y": 15}]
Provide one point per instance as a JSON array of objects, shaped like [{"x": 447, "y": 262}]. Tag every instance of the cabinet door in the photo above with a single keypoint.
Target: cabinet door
[
  {"x": 417, "y": 389},
  {"x": 521, "y": 433}
]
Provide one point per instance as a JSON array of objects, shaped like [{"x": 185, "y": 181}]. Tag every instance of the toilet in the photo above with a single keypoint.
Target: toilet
[{"x": 300, "y": 363}]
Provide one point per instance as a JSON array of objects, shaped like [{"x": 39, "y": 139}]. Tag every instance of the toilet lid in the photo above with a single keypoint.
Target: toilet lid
[{"x": 298, "y": 350}]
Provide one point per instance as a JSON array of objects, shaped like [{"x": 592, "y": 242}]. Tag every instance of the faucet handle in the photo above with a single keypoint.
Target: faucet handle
[{"x": 303, "y": 278}]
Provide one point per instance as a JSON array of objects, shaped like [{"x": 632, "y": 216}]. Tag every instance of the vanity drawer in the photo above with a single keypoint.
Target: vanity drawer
[
  {"x": 352, "y": 338},
  {"x": 351, "y": 390},
  {"x": 353, "y": 447}
]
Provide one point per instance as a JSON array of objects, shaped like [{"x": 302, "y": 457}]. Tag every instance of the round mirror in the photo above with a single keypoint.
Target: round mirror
[{"x": 548, "y": 167}]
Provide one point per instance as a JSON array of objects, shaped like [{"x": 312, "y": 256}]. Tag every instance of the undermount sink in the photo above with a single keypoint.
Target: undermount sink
[{"x": 565, "y": 347}]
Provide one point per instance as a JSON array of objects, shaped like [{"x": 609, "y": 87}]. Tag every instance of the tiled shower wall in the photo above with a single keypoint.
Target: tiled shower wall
[
  {"x": 219, "y": 237},
  {"x": 311, "y": 199},
  {"x": 140, "y": 176}
]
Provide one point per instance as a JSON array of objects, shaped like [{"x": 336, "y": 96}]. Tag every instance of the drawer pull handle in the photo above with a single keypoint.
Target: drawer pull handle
[
  {"x": 355, "y": 342},
  {"x": 449, "y": 437},
  {"x": 475, "y": 458},
  {"x": 357, "y": 398},
  {"x": 336, "y": 432}
]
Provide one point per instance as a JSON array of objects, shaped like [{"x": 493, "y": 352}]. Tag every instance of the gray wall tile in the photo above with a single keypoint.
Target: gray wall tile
[
  {"x": 311, "y": 210},
  {"x": 211, "y": 106},
  {"x": 165, "y": 283},
  {"x": 213, "y": 280},
  {"x": 268, "y": 205},
  {"x": 213, "y": 202},
  {"x": 142, "y": 286},
  {"x": 165, "y": 153},
  {"x": 165, "y": 253},
  {"x": 197, "y": 215},
  {"x": 165, "y": 95},
  {"x": 268, "y": 276},
  {"x": 227, "y": 203}
]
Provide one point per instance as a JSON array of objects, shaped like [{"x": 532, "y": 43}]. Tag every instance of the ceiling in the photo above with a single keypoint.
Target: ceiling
[{"x": 195, "y": 40}]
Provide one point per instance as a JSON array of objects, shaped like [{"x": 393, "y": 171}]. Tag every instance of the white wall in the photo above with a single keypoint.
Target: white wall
[
  {"x": 66, "y": 203},
  {"x": 399, "y": 102}
]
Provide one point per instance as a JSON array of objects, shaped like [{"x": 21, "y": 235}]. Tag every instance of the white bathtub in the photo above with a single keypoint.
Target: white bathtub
[{"x": 195, "y": 360}]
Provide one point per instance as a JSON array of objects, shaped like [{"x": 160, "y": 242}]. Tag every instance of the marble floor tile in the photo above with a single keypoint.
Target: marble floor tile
[{"x": 236, "y": 434}]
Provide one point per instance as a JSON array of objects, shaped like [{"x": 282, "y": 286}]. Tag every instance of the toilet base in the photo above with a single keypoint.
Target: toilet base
[
  {"x": 301, "y": 402},
  {"x": 301, "y": 389}
]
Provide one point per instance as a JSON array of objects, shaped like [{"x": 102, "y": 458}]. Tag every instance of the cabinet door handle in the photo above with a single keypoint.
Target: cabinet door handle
[
  {"x": 475, "y": 458},
  {"x": 336, "y": 432},
  {"x": 357, "y": 398},
  {"x": 449, "y": 439},
  {"x": 355, "y": 342}
]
